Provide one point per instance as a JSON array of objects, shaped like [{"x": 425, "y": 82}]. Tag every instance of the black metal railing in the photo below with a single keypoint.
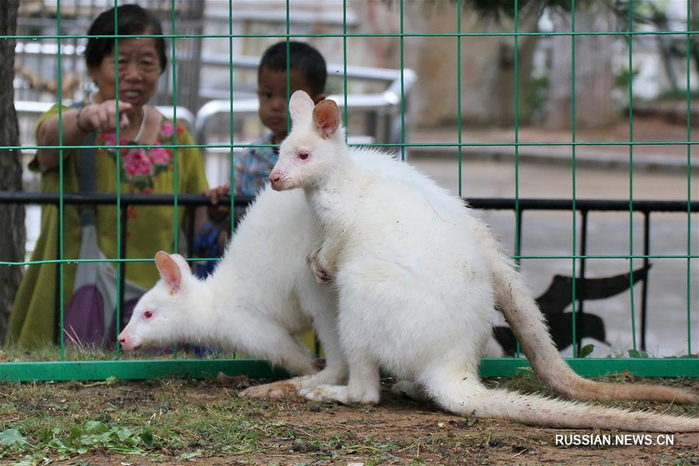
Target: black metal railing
[{"x": 583, "y": 206}]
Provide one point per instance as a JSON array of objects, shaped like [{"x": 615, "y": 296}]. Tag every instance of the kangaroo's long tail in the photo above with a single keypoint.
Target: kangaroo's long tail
[
  {"x": 472, "y": 399},
  {"x": 528, "y": 324}
]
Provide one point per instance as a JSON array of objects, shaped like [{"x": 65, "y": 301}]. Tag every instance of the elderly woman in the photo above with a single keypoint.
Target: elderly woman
[{"x": 138, "y": 62}]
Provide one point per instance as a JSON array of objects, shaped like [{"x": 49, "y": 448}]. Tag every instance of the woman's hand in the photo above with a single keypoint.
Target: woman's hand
[
  {"x": 103, "y": 117},
  {"x": 100, "y": 117}
]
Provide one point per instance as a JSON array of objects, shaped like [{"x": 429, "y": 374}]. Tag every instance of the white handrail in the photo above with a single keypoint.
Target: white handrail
[{"x": 388, "y": 100}]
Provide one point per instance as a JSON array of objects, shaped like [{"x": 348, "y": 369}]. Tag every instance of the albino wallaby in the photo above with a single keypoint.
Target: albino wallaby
[
  {"x": 418, "y": 276},
  {"x": 259, "y": 297}
]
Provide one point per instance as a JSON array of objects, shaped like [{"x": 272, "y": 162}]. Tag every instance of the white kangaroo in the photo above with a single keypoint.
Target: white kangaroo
[
  {"x": 418, "y": 277},
  {"x": 260, "y": 296}
]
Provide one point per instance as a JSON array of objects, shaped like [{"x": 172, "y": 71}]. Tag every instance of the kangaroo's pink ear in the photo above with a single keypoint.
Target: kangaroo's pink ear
[
  {"x": 182, "y": 263},
  {"x": 326, "y": 118},
  {"x": 169, "y": 270},
  {"x": 300, "y": 107}
]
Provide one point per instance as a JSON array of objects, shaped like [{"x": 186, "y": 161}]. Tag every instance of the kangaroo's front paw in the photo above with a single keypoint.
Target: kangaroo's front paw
[
  {"x": 271, "y": 391},
  {"x": 322, "y": 276},
  {"x": 337, "y": 393}
]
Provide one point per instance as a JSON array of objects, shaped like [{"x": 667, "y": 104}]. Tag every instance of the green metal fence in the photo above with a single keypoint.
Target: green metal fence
[{"x": 65, "y": 369}]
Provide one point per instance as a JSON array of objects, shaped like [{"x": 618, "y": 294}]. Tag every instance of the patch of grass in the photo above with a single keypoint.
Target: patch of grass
[
  {"x": 193, "y": 421},
  {"x": 45, "y": 420},
  {"x": 51, "y": 352},
  {"x": 74, "y": 439}
]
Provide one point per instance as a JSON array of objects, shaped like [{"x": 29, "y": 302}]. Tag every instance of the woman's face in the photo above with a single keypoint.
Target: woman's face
[{"x": 139, "y": 71}]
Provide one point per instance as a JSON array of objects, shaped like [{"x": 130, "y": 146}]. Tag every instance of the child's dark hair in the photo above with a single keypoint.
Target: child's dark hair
[
  {"x": 302, "y": 57},
  {"x": 132, "y": 20}
]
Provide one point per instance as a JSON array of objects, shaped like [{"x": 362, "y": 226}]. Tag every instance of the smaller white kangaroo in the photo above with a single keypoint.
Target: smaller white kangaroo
[
  {"x": 418, "y": 277},
  {"x": 259, "y": 298}
]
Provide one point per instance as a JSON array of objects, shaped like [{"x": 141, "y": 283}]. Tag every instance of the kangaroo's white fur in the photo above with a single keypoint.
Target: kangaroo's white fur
[
  {"x": 260, "y": 296},
  {"x": 418, "y": 276}
]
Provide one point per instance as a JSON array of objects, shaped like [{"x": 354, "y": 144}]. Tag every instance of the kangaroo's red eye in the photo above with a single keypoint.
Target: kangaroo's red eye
[
  {"x": 303, "y": 155},
  {"x": 148, "y": 314}
]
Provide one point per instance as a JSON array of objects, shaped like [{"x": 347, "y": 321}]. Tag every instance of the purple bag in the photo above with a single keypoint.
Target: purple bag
[{"x": 90, "y": 319}]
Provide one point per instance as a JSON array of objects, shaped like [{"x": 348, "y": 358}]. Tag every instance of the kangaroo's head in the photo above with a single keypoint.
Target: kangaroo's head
[
  {"x": 314, "y": 147},
  {"x": 161, "y": 315}
]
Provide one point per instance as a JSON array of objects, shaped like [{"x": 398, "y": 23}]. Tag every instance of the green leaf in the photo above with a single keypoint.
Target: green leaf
[
  {"x": 95, "y": 427},
  {"x": 147, "y": 437},
  {"x": 75, "y": 432},
  {"x": 586, "y": 350},
  {"x": 124, "y": 433},
  {"x": 637, "y": 354},
  {"x": 12, "y": 437},
  {"x": 190, "y": 455},
  {"x": 111, "y": 380}
]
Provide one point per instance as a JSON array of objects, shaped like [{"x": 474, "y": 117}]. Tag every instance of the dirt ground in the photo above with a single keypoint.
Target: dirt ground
[{"x": 211, "y": 425}]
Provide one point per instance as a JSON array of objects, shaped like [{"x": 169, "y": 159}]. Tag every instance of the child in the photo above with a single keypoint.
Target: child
[{"x": 307, "y": 72}]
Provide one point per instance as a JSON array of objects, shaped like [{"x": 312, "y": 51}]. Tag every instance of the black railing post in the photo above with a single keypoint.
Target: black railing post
[
  {"x": 123, "y": 213},
  {"x": 190, "y": 215},
  {"x": 580, "y": 298},
  {"x": 519, "y": 219},
  {"x": 57, "y": 330},
  {"x": 644, "y": 287}
]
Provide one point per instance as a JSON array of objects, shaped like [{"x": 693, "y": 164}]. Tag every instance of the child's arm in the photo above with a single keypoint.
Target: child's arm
[
  {"x": 217, "y": 212},
  {"x": 218, "y": 192},
  {"x": 240, "y": 162}
]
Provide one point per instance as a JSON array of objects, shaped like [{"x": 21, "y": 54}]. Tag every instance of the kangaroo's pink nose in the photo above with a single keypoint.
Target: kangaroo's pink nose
[{"x": 276, "y": 181}]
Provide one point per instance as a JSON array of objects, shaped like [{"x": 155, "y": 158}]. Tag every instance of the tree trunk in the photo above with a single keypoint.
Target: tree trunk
[
  {"x": 12, "y": 230},
  {"x": 594, "y": 79},
  {"x": 665, "y": 49},
  {"x": 487, "y": 70}
]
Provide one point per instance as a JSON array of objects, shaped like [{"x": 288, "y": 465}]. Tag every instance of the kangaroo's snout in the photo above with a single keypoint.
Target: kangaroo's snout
[
  {"x": 275, "y": 179},
  {"x": 124, "y": 340}
]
